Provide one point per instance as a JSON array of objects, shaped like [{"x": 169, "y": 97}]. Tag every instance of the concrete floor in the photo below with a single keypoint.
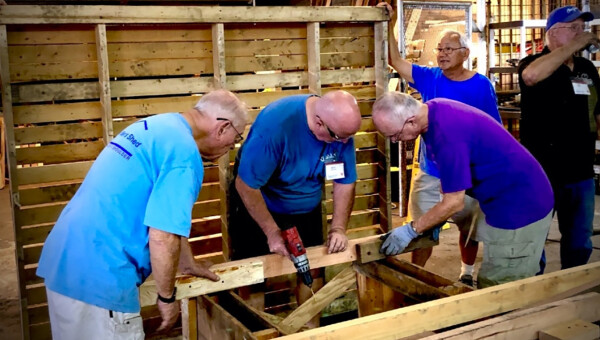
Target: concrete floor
[{"x": 445, "y": 261}]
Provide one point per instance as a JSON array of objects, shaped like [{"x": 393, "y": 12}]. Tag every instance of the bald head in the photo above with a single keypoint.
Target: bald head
[{"x": 339, "y": 110}]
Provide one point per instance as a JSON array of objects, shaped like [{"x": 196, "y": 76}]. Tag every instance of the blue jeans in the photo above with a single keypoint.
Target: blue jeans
[{"x": 574, "y": 205}]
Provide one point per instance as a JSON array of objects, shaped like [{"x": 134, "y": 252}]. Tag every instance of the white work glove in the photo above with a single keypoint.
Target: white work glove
[{"x": 396, "y": 240}]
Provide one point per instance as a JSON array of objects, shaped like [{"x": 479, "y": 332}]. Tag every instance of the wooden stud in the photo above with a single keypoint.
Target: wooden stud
[
  {"x": 260, "y": 317},
  {"x": 375, "y": 297},
  {"x": 7, "y": 105},
  {"x": 189, "y": 318},
  {"x": 369, "y": 251},
  {"x": 449, "y": 286},
  {"x": 104, "y": 83},
  {"x": 313, "y": 39},
  {"x": 218, "y": 52},
  {"x": 313, "y": 306},
  {"x": 214, "y": 322},
  {"x": 460, "y": 308}
]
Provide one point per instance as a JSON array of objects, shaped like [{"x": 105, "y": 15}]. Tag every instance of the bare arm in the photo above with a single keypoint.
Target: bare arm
[
  {"x": 451, "y": 203},
  {"x": 256, "y": 206},
  {"x": 544, "y": 66},
  {"x": 343, "y": 200},
  {"x": 403, "y": 67},
  {"x": 164, "y": 256},
  {"x": 189, "y": 265}
]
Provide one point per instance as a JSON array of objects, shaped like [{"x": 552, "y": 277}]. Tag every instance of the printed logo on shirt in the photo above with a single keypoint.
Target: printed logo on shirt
[
  {"x": 329, "y": 157},
  {"x": 120, "y": 150},
  {"x": 584, "y": 78},
  {"x": 131, "y": 138}
]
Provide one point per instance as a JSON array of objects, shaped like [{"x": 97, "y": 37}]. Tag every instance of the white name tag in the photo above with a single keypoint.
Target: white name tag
[
  {"x": 580, "y": 88},
  {"x": 334, "y": 170}
]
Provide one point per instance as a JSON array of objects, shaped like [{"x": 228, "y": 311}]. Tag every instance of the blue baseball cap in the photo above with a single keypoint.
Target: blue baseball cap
[{"x": 567, "y": 14}]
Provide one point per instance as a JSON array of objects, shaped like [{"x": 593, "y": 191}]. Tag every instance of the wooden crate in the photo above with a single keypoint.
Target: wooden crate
[{"x": 74, "y": 76}]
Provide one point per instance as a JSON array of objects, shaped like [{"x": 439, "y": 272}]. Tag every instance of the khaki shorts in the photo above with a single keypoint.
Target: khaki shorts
[
  {"x": 510, "y": 255},
  {"x": 426, "y": 192},
  {"x": 72, "y": 319}
]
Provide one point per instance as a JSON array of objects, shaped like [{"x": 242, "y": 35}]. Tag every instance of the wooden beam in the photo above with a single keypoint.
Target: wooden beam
[
  {"x": 571, "y": 330},
  {"x": 313, "y": 39},
  {"x": 457, "y": 309},
  {"x": 400, "y": 282},
  {"x": 231, "y": 276},
  {"x": 232, "y": 300},
  {"x": 369, "y": 251},
  {"x": 449, "y": 286},
  {"x": 313, "y": 306},
  {"x": 22, "y": 14},
  {"x": 104, "y": 83},
  {"x": 189, "y": 318},
  {"x": 525, "y": 324}
]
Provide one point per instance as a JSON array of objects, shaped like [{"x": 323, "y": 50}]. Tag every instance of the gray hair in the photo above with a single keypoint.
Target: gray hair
[
  {"x": 223, "y": 104},
  {"x": 461, "y": 37},
  {"x": 400, "y": 106}
]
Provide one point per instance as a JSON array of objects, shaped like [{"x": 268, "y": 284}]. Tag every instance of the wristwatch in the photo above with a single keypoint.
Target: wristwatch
[
  {"x": 412, "y": 225},
  {"x": 170, "y": 299}
]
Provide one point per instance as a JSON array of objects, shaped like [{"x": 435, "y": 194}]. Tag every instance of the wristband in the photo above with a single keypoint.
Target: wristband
[
  {"x": 412, "y": 225},
  {"x": 170, "y": 299}
]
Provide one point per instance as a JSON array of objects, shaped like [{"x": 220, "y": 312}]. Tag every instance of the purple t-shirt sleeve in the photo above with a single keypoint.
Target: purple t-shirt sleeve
[{"x": 454, "y": 164}]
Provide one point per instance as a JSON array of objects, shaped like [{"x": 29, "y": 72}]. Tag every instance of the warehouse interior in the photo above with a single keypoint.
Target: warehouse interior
[{"x": 74, "y": 74}]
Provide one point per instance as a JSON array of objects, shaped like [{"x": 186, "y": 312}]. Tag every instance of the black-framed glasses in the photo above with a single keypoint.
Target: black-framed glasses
[
  {"x": 331, "y": 133},
  {"x": 239, "y": 136},
  {"x": 446, "y": 50}
]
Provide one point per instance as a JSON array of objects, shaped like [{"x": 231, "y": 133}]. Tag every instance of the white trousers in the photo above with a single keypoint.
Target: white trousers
[{"x": 72, "y": 319}]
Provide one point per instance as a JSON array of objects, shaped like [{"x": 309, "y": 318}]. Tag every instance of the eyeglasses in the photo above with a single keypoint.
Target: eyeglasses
[
  {"x": 446, "y": 50},
  {"x": 331, "y": 133},
  {"x": 396, "y": 137},
  {"x": 239, "y": 136},
  {"x": 573, "y": 27}
]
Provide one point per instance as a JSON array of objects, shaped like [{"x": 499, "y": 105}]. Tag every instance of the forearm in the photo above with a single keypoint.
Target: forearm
[
  {"x": 451, "y": 203},
  {"x": 164, "y": 257},
  {"x": 343, "y": 200},
  {"x": 544, "y": 66},
  {"x": 186, "y": 257},
  {"x": 256, "y": 206}
]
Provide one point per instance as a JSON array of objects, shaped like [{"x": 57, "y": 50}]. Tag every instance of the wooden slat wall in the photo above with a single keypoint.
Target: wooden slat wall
[{"x": 58, "y": 98}]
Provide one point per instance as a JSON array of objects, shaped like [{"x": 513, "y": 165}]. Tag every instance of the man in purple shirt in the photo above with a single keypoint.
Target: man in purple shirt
[{"x": 476, "y": 156}]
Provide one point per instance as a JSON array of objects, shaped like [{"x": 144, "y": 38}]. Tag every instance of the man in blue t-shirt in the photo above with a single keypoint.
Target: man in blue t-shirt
[
  {"x": 295, "y": 144},
  {"x": 476, "y": 156},
  {"x": 453, "y": 81},
  {"x": 132, "y": 217}
]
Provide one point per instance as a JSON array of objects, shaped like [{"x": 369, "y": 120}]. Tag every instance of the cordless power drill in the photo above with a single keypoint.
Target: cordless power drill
[{"x": 294, "y": 245}]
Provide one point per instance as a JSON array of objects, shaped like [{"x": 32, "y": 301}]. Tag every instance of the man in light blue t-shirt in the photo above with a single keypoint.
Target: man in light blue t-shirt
[
  {"x": 453, "y": 81},
  {"x": 477, "y": 157},
  {"x": 132, "y": 217}
]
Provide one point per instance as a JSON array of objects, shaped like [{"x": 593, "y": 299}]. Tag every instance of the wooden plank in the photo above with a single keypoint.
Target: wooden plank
[
  {"x": 314, "y": 57},
  {"x": 58, "y": 133},
  {"x": 348, "y": 75},
  {"x": 363, "y": 187},
  {"x": 35, "y": 235},
  {"x": 525, "y": 324},
  {"x": 458, "y": 309},
  {"x": 571, "y": 330},
  {"x": 263, "y": 81},
  {"x": 361, "y": 219},
  {"x": 152, "y": 87},
  {"x": 161, "y": 67},
  {"x": 323, "y": 297},
  {"x": 233, "y": 300},
  {"x": 19, "y": 14},
  {"x": 214, "y": 322},
  {"x": 59, "y": 71},
  {"x": 39, "y": 331},
  {"x": 189, "y": 318},
  {"x": 104, "y": 81},
  {"x": 375, "y": 297},
  {"x": 57, "y": 112},
  {"x": 360, "y": 203},
  {"x": 218, "y": 53},
  {"x": 206, "y": 209},
  {"x": 36, "y": 93},
  {"x": 368, "y": 252},
  {"x": 53, "y": 173},
  {"x": 400, "y": 282},
  {"x": 60, "y": 153},
  {"x": 231, "y": 276},
  {"x": 449, "y": 286},
  {"x": 266, "y": 334}
]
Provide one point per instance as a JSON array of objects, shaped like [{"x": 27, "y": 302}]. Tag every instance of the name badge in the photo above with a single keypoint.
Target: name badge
[
  {"x": 334, "y": 170},
  {"x": 580, "y": 87}
]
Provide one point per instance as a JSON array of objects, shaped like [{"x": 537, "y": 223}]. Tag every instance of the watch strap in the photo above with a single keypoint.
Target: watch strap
[{"x": 169, "y": 299}]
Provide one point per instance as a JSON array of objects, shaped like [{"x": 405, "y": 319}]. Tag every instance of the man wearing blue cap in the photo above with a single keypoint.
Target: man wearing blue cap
[{"x": 559, "y": 121}]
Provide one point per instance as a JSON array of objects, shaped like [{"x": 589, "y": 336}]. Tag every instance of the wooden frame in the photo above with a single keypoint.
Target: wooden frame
[{"x": 74, "y": 76}]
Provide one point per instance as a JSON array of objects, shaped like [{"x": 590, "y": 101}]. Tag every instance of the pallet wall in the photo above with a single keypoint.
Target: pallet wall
[{"x": 74, "y": 76}]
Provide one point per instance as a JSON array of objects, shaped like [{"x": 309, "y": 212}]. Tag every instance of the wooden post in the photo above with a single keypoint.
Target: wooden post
[
  {"x": 189, "y": 318},
  {"x": 104, "y": 81},
  {"x": 383, "y": 144},
  {"x": 7, "y": 101}
]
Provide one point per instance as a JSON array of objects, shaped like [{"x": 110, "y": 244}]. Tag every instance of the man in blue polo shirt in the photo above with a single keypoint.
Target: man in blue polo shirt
[
  {"x": 293, "y": 146},
  {"x": 132, "y": 217},
  {"x": 476, "y": 156}
]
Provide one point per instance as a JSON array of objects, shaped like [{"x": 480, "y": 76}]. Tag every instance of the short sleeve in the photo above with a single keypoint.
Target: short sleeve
[
  {"x": 454, "y": 163},
  {"x": 259, "y": 160},
  {"x": 170, "y": 203},
  {"x": 421, "y": 75},
  {"x": 348, "y": 153}
]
